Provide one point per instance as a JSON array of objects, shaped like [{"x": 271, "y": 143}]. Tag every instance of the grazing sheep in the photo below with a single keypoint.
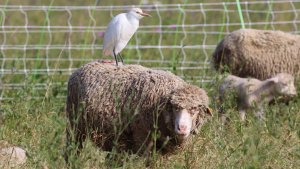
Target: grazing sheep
[
  {"x": 253, "y": 93},
  {"x": 125, "y": 106},
  {"x": 258, "y": 53}
]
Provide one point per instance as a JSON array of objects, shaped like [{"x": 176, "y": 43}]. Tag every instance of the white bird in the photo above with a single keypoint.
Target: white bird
[{"x": 119, "y": 31}]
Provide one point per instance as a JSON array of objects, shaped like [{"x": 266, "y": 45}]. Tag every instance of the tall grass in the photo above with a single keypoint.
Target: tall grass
[{"x": 39, "y": 128}]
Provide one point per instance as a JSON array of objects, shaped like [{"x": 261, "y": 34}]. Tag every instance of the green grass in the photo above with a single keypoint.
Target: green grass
[{"x": 39, "y": 127}]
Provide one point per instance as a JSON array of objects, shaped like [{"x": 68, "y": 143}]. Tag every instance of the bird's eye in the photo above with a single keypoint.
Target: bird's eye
[{"x": 137, "y": 12}]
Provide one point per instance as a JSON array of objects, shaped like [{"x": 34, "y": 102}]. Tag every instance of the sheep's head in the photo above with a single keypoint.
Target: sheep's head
[
  {"x": 189, "y": 106},
  {"x": 284, "y": 84}
]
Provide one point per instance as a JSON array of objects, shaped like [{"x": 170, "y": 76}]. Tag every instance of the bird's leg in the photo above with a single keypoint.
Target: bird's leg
[
  {"x": 120, "y": 56},
  {"x": 116, "y": 59}
]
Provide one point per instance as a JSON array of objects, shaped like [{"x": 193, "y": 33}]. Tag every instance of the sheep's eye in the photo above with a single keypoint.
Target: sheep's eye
[
  {"x": 194, "y": 114},
  {"x": 137, "y": 12},
  {"x": 194, "y": 108},
  {"x": 177, "y": 109}
]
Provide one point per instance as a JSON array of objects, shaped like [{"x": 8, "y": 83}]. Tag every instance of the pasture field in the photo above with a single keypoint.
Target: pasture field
[
  {"x": 39, "y": 127},
  {"x": 33, "y": 79}
]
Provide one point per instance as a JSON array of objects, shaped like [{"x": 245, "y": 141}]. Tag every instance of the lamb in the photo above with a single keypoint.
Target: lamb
[
  {"x": 258, "y": 53},
  {"x": 122, "y": 107},
  {"x": 253, "y": 93}
]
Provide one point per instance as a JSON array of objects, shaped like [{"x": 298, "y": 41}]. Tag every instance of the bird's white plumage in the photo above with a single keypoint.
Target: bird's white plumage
[
  {"x": 118, "y": 33},
  {"x": 120, "y": 30}
]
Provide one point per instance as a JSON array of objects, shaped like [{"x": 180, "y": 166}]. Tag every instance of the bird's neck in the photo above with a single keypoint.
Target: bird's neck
[{"x": 132, "y": 19}]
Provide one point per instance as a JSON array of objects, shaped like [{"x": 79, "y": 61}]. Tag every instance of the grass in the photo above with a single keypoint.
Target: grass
[{"x": 38, "y": 125}]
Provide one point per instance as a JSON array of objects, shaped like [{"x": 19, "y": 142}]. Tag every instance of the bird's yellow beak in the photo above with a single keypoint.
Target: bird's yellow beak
[{"x": 145, "y": 14}]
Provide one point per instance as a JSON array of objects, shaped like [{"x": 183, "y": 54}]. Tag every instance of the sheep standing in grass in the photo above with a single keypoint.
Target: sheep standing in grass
[
  {"x": 258, "y": 53},
  {"x": 253, "y": 93},
  {"x": 132, "y": 108}
]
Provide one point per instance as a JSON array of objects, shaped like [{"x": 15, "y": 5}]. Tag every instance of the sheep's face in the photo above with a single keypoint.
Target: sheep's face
[
  {"x": 284, "y": 85},
  {"x": 187, "y": 108},
  {"x": 185, "y": 121}
]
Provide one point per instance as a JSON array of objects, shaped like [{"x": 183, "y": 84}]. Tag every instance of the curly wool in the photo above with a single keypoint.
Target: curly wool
[
  {"x": 258, "y": 53},
  {"x": 124, "y": 98},
  {"x": 188, "y": 97}
]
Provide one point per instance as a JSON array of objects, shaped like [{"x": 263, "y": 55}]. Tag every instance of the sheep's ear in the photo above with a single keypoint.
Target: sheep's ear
[
  {"x": 274, "y": 80},
  {"x": 200, "y": 122},
  {"x": 209, "y": 111}
]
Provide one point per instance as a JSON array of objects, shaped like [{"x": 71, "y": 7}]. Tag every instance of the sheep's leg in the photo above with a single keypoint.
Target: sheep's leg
[
  {"x": 116, "y": 59},
  {"x": 148, "y": 149},
  {"x": 223, "y": 119},
  {"x": 143, "y": 144},
  {"x": 75, "y": 132},
  {"x": 242, "y": 114},
  {"x": 74, "y": 141},
  {"x": 222, "y": 112},
  {"x": 79, "y": 139},
  {"x": 220, "y": 107},
  {"x": 68, "y": 146},
  {"x": 260, "y": 113}
]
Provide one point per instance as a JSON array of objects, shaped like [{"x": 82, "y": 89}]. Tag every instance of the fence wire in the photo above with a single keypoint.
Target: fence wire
[{"x": 45, "y": 44}]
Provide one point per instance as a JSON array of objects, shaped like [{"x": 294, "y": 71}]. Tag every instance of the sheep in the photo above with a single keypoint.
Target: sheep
[
  {"x": 122, "y": 107},
  {"x": 258, "y": 53},
  {"x": 253, "y": 93}
]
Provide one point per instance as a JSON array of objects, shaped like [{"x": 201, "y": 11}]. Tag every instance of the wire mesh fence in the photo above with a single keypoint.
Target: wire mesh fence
[{"x": 47, "y": 43}]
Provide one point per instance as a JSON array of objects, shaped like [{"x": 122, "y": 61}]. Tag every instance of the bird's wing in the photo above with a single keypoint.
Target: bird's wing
[
  {"x": 112, "y": 34},
  {"x": 127, "y": 30}
]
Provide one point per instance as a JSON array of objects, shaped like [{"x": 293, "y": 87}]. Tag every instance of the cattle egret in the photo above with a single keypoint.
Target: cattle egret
[{"x": 119, "y": 31}]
